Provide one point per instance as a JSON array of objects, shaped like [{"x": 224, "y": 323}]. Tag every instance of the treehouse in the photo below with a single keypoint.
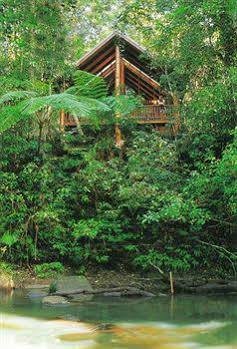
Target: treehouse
[{"x": 125, "y": 66}]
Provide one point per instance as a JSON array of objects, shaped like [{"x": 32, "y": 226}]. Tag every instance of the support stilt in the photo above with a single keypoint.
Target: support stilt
[{"x": 118, "y": 134}]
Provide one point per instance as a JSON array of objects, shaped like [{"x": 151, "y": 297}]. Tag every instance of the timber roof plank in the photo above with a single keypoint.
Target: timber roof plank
[{"x": 138, "y": 75}]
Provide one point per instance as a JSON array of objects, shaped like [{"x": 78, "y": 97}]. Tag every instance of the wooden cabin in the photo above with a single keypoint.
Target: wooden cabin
[{"x": 125, "y": 66}]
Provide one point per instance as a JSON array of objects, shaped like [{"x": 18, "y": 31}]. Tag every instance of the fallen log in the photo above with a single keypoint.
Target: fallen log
[{"x": 116, "y": 291}]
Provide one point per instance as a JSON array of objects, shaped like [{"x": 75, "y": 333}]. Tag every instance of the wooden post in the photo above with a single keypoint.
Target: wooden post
[
  {"x": 172, "y": 307},
  {"x": 176, "y": 113},
  {"x": 122, "y": 76},
  {"x": 62, "y": 120},
  {"x": 117, "y": 70},
  {"x": 118, "y": 135},
  {"x": 171, "y": 283}
]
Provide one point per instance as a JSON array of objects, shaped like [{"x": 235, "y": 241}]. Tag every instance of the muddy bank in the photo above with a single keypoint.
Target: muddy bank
[
  {"x": 150, "y": 282},
  {"x": 158, "y": 284}
]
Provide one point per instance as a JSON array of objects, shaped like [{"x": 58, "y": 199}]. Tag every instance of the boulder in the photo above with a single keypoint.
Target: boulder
[
  {"x": 54, "y": 300},
  {"x": 70, "y": 283}
]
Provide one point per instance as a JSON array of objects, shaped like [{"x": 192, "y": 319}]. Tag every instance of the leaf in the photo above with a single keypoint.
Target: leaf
[
  {"x": 76, "y": 106},
  {"x": 8, "y": 239},
  {"x": 88, "y": 85},
  {"x": 16, "y": 96}
]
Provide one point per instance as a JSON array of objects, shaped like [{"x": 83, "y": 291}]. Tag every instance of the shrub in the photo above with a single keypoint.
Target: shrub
[{"x": 47, "y": 270}]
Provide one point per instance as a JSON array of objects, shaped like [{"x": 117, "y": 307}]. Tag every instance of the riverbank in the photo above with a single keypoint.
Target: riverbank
[
  {"x": 97, "y": 278},
  {"x": 152, "y": 282}
]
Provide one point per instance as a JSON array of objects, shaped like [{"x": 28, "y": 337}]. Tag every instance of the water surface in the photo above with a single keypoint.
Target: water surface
[{"x": 165, "y": 322}]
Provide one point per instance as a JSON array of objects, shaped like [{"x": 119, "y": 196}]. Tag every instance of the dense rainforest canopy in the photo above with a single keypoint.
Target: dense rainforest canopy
[{"x": 75, "y": 198}]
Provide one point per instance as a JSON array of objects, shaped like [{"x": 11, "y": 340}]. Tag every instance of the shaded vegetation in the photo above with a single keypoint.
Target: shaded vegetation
[{"x": 77, "y": 199}]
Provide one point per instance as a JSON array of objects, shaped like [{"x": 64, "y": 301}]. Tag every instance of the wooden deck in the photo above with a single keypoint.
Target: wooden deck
[
  {"x": 147, "y": 114},
  {"x": 151, "y": 114}
]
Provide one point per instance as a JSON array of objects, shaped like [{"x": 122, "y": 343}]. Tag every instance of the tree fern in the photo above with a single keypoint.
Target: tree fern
[
  {"x": 81, "y": 100},
  {"x": 75, "y": 105},
  {"x": 123, "y": 105},
  {"x": 9, "y": 116},
  {"x": 15, "y": 96},
  {"x": 87, "y": 98},
  {"x": 88, "y": 85}
]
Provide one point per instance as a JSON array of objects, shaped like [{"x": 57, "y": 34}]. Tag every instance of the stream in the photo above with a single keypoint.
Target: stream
[{"x": 163, "y": 322}]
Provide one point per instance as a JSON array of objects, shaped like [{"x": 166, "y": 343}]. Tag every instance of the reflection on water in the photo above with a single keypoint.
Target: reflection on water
[{"x": 158, "y": 323}]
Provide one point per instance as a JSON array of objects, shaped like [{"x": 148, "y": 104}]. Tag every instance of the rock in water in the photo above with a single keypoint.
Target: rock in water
[
  {"x": 54, "y": 300},
  {"x": 72, "y": 283}
]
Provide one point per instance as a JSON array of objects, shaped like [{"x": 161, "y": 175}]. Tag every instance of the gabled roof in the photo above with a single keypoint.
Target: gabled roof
[
  {"x": 115, "y": 37},
  {"x": 139, "y": 76}
]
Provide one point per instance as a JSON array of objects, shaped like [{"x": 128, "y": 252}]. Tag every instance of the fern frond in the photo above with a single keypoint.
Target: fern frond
[
  {"x": 84, "y": 99},
  {"x": 16, "y": 96},
  {"x": 88, "y": 85},
  {"x": 123, "y": 104},
  {"x": 9, "y": 116},
  {"x": 76, "y": 106},
  {"x": 81, "y": 106}
]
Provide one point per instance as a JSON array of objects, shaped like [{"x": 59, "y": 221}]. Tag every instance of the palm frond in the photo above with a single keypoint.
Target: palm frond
[{"x": 88, "y": 85}]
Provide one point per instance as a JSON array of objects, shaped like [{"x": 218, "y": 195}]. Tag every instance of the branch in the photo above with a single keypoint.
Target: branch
[{"x": 228, "y": 254}]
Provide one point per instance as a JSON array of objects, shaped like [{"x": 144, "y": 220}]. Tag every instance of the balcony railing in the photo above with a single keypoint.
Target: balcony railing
[
  {"x": 147, "y": 114},
  {"x": 151, "y": 114}
]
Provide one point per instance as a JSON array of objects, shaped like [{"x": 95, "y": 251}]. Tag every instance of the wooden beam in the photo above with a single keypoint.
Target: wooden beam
[
  {"x": 143, "y": 86},
  {"x": 142, "y": 75},
  {"x": 105, "y": 43},
  {"x": 135, "y": 60},
  {"x": 103, "y": 64},
  {"x": 99, "y": 59},
  {"x": 154, "y": 121},
  {"x": 118, "y": 70},
  {"x": 108, "y": 73},
  {"x": 94, "y": 51},
  {"x": 122, "y": 76},
  {"x": 140, "y": 85},
  {"x": 133, "y": 82},
  {"x": 107, "y": 70}
]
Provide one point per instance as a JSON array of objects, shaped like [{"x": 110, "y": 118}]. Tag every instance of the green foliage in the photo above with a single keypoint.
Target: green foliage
[
  {"x": 6, "y": 268},
  {"x": 194, "y": 46},
  {"x": 94, "y": 207},
  {"x": 52, "y": 287},
  {"x": 179, "y": 259},
  {"x": 23, "y": 104},
  {"x": 77, "y": 199},
  {"x": 88, "y": 85},
  {"x": 48, "y": 270}
]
